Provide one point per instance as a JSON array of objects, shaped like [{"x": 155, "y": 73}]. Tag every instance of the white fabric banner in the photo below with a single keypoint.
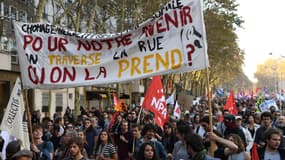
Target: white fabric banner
[
  {"x": 177, "y": 111},
  {"x": 172, "y": 41},
  {"x": 12, "y": 121},
  {"x": 170, "y": 99}
]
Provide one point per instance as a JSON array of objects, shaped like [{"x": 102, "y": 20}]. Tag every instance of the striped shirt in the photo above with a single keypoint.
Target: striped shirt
[{"x": 107, "y": 150}]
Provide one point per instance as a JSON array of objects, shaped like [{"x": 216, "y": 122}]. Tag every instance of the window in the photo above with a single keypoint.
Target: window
[
  {"x": 5, "y": 43},
  {"x": 13, "y": 13},
  {"x": 14, "y": 57},
  {"x": 82, "y": 100},
  {"x": 58, "y": 99},
  {"x": 45, "y": 98},
  {"x": 22, "y": 16},
  {"x": 1, "y": 10},
  {"x": 6, "y": 11}
]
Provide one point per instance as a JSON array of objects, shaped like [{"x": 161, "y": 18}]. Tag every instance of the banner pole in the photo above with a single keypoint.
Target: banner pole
[
  {"x": 27, "y": 108},
  {"x": 212, "y": 144}
]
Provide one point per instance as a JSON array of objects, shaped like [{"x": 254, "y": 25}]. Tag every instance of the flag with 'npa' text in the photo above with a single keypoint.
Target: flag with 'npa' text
[{"x": 154, "y": 101}]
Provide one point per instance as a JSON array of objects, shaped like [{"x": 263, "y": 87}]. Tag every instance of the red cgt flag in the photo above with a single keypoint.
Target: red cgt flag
[
  {"x": 231, "y": 105},
  {"x": 117, "y": 104},
  {"x": 154, "y": 101}
]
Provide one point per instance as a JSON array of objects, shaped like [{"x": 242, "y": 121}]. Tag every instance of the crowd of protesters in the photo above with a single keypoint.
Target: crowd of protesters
[{"x": 108, "y": 135}]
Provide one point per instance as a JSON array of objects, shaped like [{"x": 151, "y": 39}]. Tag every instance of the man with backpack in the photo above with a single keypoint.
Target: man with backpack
[{"x": 43, "y": 149}]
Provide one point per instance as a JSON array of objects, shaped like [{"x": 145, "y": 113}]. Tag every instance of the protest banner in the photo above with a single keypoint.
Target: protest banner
[
  {"x": 13, "y": 121},
  {"x": 172, "y": 41},
  {"x": 267, "y": 104}
]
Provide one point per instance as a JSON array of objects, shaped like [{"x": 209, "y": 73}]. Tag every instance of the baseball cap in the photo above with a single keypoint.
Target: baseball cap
[
  {"x": 238, "y": 117},
  {"x": 22, "y": 153},
  {"x": 229, "y": 117}
]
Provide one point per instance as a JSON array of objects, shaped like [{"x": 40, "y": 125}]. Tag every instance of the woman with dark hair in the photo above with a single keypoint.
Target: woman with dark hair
[
  {"x": 147, "y": 152},
  {"x": 105, "y": 150},
  {"x": 169, "y": 138},
  {"x": 240, "y": 153}
]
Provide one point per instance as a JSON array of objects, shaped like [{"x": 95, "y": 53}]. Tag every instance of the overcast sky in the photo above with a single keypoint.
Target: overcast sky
[{"x": 263, "y": 31}]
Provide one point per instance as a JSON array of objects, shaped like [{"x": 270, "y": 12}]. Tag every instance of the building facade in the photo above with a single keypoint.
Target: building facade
[{"x": 16, "y": 10}]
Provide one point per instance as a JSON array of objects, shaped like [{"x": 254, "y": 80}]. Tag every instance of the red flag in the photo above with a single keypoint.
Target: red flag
[
  {"x": 257, "y": 90},
  {"x": 117, "y": 104},
  {"x": 254, "y": 153},
  {"x": 221, "y": 118},
  {"x": 113, "y": 119},
  {"x": 154, "y": 101},
  {"x": 231, "y": 105}
]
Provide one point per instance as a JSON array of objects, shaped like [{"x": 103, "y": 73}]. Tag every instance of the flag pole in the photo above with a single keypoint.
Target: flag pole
[
  {"x": 27, "y": 108},
  {"x": 212, "y": 144}
]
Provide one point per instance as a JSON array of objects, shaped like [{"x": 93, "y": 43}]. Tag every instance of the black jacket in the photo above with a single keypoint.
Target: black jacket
[{"x": 261, "y": 152}]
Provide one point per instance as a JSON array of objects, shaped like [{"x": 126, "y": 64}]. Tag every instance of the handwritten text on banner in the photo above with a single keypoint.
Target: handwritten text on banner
[{"x": 172, "y": 41}]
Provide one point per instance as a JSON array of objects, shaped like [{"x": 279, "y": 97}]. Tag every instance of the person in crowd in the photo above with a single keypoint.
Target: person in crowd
[
  {"x": 105, "y": 150},
  {"x": 12, "y": 148},
  {"x": 60, "y": 122},
  {"x": 48, "y": 130},
  {"x": 122, "y": 140},
  {"x": 94, "y": 121},
  {"x": 169, "y": 138},
  {"x": 76, "y": 148},
  {"x": 35, "y": 118},
  {"x": 180, "y": 150},
  {"x": 135, "y": 141},
  {"x": 240, "y": 153},
  {"x": 69, "y": 114},
  {"x": 81, "y": 134},
  {"x": 106, "y": 120},
  {"x": 149, "y": 119},
  {"x": 221, "y": 147},
  {"x": 150, "y": 132},
  {"x": 272, "y": 150},
  {"x": 147, "y": 152},
  {"x": 251, "y": 125},
  {"x": 195, "y": 147},
  {"x": 248, "y": 137},
  {"x": 197, "y": 128},
  {"x": 91, "y": 137},
  {"x": 266, "y": 118},
  {"x": 186, "y": 118},
  {"x": 23, "y": 155},
  {"x": 276, "y": 115},
  {"x": 280, "y": 123},
  {"x": 232, "y": 128},
  {"x": 63, "y": 151},
  {"x": 221, "y": 127},
  {"x": 117, "y": 125},
  {"x": 43, "y": 149},
  {"x": 134, "y": 118},
  {"x": 55, "y": 138},
  {"x": 257, "y": 118}
]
